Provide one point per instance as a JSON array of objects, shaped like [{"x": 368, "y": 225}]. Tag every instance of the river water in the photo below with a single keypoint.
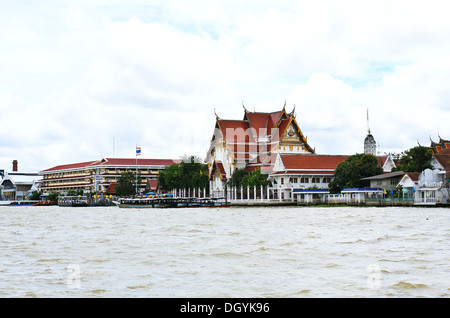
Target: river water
[{"x": 224, "y": 252}]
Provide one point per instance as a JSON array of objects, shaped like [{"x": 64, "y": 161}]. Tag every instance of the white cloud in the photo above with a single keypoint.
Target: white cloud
[{"x": 76, "y": 75}]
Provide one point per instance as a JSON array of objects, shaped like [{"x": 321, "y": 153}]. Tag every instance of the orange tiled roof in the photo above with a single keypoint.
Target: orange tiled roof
[
  {"x": 414, "y": 176},
  {"x": 312, "y": 161},
  {"x": 444, "y": 159},
  {"x": 113, "y": 162},
  {"x": 255, "y": 124}
]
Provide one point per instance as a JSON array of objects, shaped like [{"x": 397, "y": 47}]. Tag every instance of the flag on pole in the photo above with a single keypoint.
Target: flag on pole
[{"x": 138, "y": 151}]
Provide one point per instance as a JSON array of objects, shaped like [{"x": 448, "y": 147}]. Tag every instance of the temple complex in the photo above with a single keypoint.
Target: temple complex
[
  {"x": 274, "y": 143},
  {"x": 252, "y": 143}
]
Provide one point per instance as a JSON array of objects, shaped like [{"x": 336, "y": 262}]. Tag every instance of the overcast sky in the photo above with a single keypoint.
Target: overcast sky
[{"x": 81, "y": 80}]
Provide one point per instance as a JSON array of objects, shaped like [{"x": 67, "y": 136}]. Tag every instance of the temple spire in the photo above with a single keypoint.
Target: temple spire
[{"x": 370, "y": 145}]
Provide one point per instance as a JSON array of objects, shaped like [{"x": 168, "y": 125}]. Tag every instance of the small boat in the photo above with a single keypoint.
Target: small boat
[
  {"x": 44, "y": 203},
  {"x": 142, "y": 203},
  {"x": 24, "y": 203},
  {"x": 137, "y": 203},
  {"x": 170, "y": 202},
  {"x": 73, "y": 201},
  {"x": 194, "y": 203},
  {"x": 207, "y": 202},
  {"x": 221, "y": 202}
]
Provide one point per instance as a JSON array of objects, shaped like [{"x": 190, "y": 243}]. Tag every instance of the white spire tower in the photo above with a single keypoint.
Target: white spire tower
[{"x": 370, "y": 145}]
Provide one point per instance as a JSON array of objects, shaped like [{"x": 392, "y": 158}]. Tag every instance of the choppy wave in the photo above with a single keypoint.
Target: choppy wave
[{"x": 236, "y": 252}]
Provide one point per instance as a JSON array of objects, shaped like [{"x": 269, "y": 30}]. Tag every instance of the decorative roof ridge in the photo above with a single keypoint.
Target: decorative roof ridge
[
  {"x": 312, "y": 154},
  {"x": 222, "y": 119}
]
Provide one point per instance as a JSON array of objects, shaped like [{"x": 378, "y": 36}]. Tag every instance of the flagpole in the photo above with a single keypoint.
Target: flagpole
[{"x": 136, "y": 171}]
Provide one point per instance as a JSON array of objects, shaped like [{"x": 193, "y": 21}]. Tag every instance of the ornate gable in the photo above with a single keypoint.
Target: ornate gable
[
  {"x": 291, "y": 133},
  {"x": 292, "y": 138}
]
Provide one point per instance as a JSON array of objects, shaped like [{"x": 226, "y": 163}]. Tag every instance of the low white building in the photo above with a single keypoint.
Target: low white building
[
  {"x": 409, "y": 184},
  {"x": 300, "y": 172},
  {"x": 432, "y": 187},
  {"x": 293, "y": 172},
  {"x": 17, "y": 186}
]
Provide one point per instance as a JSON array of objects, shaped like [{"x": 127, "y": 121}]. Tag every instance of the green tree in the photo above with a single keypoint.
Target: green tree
[
  {"x": 415, "y": 159},
  {"x": 190, "y": 173},
  {"x": 194, "y": 174},
  {"x": 254, "y": 179},
  {"x": 127, "y": 184},
  {"x": 237, "y": 177},
  {"x": 349, "y": 173},
  {"x": 53, "y": 197},
  {"x": 170, "y": 177},
  {"x": 35, "y": 195}
]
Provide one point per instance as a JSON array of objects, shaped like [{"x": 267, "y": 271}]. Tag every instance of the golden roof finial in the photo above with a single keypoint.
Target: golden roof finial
[{"x": 245, "y": 109}]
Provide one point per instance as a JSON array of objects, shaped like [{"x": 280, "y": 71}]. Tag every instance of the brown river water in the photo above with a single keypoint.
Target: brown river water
[{"x": 224, "y": 252}]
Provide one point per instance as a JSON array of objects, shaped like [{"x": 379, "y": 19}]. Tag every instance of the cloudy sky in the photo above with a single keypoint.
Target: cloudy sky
[{"x": 81, "y": 80}]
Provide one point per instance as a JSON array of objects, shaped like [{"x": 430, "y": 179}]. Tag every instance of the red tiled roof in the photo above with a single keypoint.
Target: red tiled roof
[
  {"x": 381, "y": 160},
  {"x": 258, "y": 121},
  {"x": 444, "y": 159},
  {"x": 253, "y": 125},
  {"x": 114, "y": 162},
  {"x": 70, "y": 166},
  {"x": 261, "y": 124},
  {"x": 283, "y": 125},
  {"x": 153, "y": 184},
  {"x": 304, "y": 172},
  {"x": 219, "y": 167},
  {"x": 112, "y": 188},
  {"x": 132, "y": 162},
  {"x": 235, "y": 130},
  {"x": 312, "y": 161},
  {"x": 414, "y": 176},
  {"x": 273, "y": 119},
  {"x": 445, "y": 151}
]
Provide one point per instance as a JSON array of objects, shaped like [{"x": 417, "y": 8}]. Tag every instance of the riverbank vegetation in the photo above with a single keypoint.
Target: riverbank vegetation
[
  {"x": 190, "y": 173},
  {"x": 349, "y": 173}
]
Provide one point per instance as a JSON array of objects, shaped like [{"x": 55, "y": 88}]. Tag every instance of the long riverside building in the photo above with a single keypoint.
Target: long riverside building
[{"x": 102, "y": 175}]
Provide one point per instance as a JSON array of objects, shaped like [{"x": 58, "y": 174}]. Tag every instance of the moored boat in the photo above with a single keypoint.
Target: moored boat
[
  {"x": 73, "y": 201},
  {"x": 24, "y": 203},
  {"x": 170, "y": 202},
  {"x": 137, "y": 203}
]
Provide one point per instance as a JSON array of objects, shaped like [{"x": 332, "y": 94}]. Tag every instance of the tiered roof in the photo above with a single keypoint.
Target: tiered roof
[
  {"x": 257, "y": 128},
  {"x": 437, "y": 147},
  {"x": 443, "y": 157}
]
